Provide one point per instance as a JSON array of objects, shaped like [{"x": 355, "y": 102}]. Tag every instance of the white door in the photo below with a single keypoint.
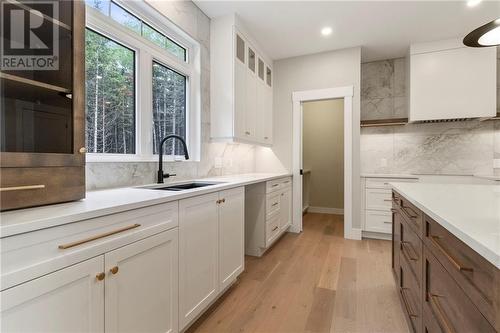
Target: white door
[
  {"x": 198, "y": 255},
  {"x": 231, "y": 235},
  {"x": 251, "y": 95},
  {"x": 142, "y": 285},
  {"x": 285, "y": 208},
  {"x": 240, "y": 77},
  {"x": 68, "y": 300}
]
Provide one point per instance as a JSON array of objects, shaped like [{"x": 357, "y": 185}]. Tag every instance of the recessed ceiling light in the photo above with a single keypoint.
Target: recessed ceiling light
[
  {"x": 326, "y": 31},
  {"x": 473, "y": 3},
  {"x": 484, "y": 36}
]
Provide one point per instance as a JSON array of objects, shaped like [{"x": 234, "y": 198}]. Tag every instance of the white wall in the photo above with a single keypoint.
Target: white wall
[{"x": 316, "y": 71}]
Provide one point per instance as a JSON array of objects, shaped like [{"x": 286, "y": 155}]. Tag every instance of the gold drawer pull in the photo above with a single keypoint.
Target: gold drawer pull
[
  {"x": 434, "y": 240},
  {"x": 274, "y": 204},
  {"x": 20, "y": 188},
  {"x": 114, "y": 270},
  {"x": 274, "y": 229},
  {"x": 100, "y": 276},
  {"x": 405, "y": 301},
  {"x": 386, "y": 222},
  {"x": 389, "y": 200},
  {"x": 275, "y": 185},
  {"x": 440, "y": 313},
  {"x": 106, "y": 234}
]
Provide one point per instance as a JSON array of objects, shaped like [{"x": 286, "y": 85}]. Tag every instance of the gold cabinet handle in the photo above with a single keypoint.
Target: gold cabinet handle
[
  {"x": 434, "y": 240},
  {"x": 106, "y": 234},
  {"x": 274, "y": 204},
  {"x": 275, "y": 185},
  {"x": 82, "y": 150},
  {"x": 247, "y": 132},
  {"x": 100, "y": 276},
  {"x": 20, "y": 188},
  {"x": 114, "y": 270},
  {"x": 440, "y": 313},
  {"x": 276, "y": 227},
  {"x": 389, "y": 200},
  {"x": 223, "y": 200}
]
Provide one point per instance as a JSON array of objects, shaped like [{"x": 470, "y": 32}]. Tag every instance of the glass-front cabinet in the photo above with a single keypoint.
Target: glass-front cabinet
[{"x": 42, "y": 117}]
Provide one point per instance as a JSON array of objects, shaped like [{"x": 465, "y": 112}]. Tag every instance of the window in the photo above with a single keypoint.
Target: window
[
  {"x": 131, "y": 21},
  {"x": 110, "y": 93},
  {"x": 140, "y": 84},
  {"x": 169, "y": 107}
]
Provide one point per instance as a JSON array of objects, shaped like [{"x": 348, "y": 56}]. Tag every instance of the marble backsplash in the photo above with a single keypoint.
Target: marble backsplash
[
  {"x": 464, "y": 147},
  {"x": 231, "y": 158}
]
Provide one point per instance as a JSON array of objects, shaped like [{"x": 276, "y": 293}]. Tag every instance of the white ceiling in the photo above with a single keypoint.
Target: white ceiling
[{"x": 384, "y": 29}]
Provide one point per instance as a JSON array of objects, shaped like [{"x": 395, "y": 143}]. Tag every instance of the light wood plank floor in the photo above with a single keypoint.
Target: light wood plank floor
[{"x": 312, "y": 282}]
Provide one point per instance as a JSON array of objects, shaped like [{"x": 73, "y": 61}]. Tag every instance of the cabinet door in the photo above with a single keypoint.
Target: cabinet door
[
  {"x": 142, "y": 285},
  {"x": 240, "y": 93},
  {"x": 198, "y": 255},
  {"x": 251, "y": 96},
  {"x": 285, "y": 209},
  {"x": 268, "y": 116},
  {"x": 231, "y": 235},
  {"x": 68, "y": 300},
  {"x": 260, "y": 111},
  {"x": 396, "y": 240}
]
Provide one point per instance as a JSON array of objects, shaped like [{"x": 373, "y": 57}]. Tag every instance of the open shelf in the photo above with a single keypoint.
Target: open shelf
[
  {"x": 34, "y": 83},
  {"x": 384, "y": 122}
]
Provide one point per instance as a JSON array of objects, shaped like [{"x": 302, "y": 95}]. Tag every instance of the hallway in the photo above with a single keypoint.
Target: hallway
[{"x": 313, "y": 282}]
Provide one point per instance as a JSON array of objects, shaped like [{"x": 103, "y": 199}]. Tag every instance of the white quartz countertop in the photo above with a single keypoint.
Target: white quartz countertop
[
  {"x": 105, "y": 202},
  {"x": 470, "y": 212},
  {"x": 388, "y": 175}
]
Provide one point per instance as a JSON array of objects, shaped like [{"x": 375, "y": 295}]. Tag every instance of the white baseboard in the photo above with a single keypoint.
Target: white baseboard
[
  {"x": 354, "y": 233},
  {"x": 376, "y": 235},
  {"x": 325, "y": 210}
]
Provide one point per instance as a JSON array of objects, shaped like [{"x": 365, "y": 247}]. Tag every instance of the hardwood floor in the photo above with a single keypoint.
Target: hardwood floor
[{"x": 315, "y": 281}]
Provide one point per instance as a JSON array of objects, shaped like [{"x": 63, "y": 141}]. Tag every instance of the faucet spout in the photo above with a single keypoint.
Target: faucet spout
[{"x": 162, "y": 175}]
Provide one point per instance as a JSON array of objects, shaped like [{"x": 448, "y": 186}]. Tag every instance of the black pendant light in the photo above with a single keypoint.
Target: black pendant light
[{"x": 484, "y": 36}]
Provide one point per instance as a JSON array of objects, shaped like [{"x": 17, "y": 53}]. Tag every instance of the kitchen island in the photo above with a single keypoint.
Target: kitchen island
[{"x": 446, "y": 255}]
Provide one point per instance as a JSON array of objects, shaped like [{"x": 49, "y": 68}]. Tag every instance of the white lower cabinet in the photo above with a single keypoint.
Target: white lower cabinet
[
  {"x": 211, "y": 249},
  {"x": 198, "y": 255},
  {"x": 68, "y": 300},
  {"x": 231, "y": 235},
  {"x": 141, "y": 285}
]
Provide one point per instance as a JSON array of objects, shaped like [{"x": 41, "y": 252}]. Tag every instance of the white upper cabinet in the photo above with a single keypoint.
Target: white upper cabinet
[
  {"x": 241, "y": 85},
  {"x": 451, "y": 81}
]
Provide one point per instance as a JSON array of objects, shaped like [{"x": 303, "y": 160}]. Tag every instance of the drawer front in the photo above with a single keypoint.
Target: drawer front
[
  {"x": 28, "y": 187},
  {"x": 277, "y": 184},
  {"x": 27, "y": 256},
  {"x": 476, "y": 276},
  {"x": 411, "y": 297},
  {"x": 384, "y": 182},
  {"x": 273, "y": 204},
  {"x": 411, "y": 250},
  {"x": 272, "y": 230},
  {"x": 451, "y": 307},
  {"x": 378, "y": 199},
  {"x": 378, "y": 221},
  {"x": 412, "y": 215}
]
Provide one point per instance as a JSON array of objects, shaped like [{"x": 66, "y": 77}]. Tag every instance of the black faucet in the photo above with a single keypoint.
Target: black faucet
[{"x": 162, "y": 175}]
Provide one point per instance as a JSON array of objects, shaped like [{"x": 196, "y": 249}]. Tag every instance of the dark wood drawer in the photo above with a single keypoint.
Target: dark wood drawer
[
  {"x": 452, "y": 309},
  {"x": 40, "y": 186},
  {"x": 477, "y": 277},
  {"x": 413, "y": 215},
  {"x": 411, "y": 296},
  {"x": 411, "y": 250}
]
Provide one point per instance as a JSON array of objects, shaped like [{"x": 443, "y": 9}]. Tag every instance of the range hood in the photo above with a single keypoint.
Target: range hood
[{"x": 451, "y": 82}]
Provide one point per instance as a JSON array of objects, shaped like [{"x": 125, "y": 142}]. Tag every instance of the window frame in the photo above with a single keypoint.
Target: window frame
[{"x": 147, "y": 52}]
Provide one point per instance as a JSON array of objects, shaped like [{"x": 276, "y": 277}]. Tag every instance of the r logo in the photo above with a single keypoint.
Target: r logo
[{"x": 30, "y": 35}]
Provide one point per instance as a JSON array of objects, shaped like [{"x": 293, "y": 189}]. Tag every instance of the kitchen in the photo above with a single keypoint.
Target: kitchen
[{"x": 110, "y": 223}]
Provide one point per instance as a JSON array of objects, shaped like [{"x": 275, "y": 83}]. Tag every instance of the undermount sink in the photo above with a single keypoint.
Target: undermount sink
[{"x": 183, "y": 187}]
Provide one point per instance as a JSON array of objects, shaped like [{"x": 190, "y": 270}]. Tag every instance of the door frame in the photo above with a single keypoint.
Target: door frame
[{"x": 298, "y": 98}]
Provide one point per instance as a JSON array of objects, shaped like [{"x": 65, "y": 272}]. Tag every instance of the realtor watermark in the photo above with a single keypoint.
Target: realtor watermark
[{"x": 30, "y": 35}]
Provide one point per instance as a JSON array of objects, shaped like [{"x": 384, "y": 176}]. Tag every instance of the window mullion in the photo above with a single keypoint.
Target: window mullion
[{"x": 146, "y": 98}]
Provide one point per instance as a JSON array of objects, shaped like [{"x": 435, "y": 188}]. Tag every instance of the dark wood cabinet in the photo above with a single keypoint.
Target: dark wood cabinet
[
  {"x": 445, "y": 286},
  {"x": 42, "y": 148}
]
